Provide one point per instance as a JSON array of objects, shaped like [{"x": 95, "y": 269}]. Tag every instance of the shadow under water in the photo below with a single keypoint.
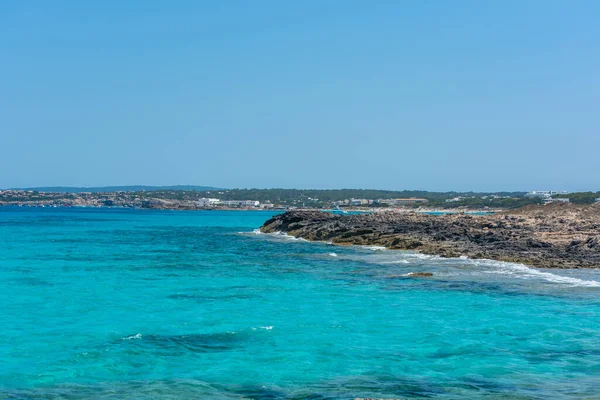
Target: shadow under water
[
  {"x": 198, "y": 343},
  {"x": 384, "y": 386}
]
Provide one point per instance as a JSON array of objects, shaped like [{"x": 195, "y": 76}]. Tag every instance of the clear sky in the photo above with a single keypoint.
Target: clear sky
[{"x": 436, "y": 95}]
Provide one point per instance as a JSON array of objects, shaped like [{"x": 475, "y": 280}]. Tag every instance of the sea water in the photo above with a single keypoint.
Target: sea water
[{"x": 134, "y": 304}]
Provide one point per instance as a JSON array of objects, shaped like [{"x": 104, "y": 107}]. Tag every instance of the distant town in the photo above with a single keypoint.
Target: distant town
[{"x": 284, "y": 199}]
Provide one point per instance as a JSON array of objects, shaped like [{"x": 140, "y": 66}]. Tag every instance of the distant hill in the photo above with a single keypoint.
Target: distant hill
[{"x": 103, "y": 189}]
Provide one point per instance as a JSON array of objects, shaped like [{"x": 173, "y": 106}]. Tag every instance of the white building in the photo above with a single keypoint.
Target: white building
[
  {"x": 544, "y": 193},
  {"x": 206, "y": 202},
  {"x": 539, "y": 193},
  {"x": 360, "y": 202},
  {"x": 400, "y": 202},
  {"x": 340, "y": 203},
  {"x": 241, "y": 203}
]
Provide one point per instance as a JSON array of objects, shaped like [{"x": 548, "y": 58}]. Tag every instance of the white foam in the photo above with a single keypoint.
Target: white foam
[
  {"x": 401, "y": 257},
  {"x": 136, "y": 336},
  {"x": 266, "y": 328},
  {"x": 284, "y": 236},
  {"x": 253, "y": 232},
  {"x": 275, "y": 235},
  {"x": 405, "y": 257},
  {"x": 523, "y": 271},
  {"x": 395, "y": 262},
  {"x": 390, "y": 257},
  {"x": 374, "y": 248},
  {"x": 514, "y": 270}
]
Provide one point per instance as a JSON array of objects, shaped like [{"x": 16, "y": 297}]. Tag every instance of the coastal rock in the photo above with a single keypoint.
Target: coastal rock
[{"x": 556, "y": 236}]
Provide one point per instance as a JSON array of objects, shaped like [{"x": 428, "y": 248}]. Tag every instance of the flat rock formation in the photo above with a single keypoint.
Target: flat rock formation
[{"x": 553, "y": 236}]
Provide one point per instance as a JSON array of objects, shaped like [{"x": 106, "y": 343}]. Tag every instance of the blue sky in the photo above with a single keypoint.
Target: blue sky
[{"x": 436, "y": 95}]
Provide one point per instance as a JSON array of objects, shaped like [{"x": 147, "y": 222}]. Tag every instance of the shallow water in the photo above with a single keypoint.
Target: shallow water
[{"x": 131, "y": 304}]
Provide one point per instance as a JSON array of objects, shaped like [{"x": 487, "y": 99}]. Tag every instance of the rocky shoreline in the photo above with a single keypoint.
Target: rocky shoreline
[{"x": 554, "y": 236}]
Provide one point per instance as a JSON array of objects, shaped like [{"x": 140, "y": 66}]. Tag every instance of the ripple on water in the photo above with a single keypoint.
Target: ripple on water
[
  {"x": 207, "y": 298},
  {"x": 179, "y": 306},
  {"x": 197, "y": 343},
  {"x": 365, "y": 386}
]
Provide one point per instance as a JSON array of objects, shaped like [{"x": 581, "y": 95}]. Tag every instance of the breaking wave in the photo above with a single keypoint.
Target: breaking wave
[{"x": 524, "y": 272}]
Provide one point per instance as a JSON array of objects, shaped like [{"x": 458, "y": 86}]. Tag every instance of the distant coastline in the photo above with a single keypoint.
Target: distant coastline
[
  {"x": 343, "y": 200},
  {"x": 109, "y": 189},
  {"x": 256, "y": 209}
]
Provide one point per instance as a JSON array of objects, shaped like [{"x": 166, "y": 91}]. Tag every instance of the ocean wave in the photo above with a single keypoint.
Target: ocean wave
[
  {"x": 402, "y": 257},
  {"x": 374, "y": 248},
  {"x": 403, "y": 261},
  {"x": 525, "y": 272},
  {"x": 253, "y": 232},
  {"x": 136, "y": 336},
  {"x": 282, "y": 235},
  {"x": 465, "y": 265},
  {"x": 266, "y": 328},
  {"x": 196, "y": 342}
]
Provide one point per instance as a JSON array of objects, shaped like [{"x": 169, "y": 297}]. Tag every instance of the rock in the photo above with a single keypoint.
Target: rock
[{"x": 548, "y": 237}]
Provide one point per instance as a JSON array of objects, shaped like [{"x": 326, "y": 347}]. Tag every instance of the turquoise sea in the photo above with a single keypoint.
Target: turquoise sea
[{"x": 133, "y": 304}]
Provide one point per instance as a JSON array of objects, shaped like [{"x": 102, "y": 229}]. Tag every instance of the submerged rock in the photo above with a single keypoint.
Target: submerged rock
[{"x": 411, "y": 274}]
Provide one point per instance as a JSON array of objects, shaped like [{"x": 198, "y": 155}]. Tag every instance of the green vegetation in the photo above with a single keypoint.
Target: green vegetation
[
  {"x": 323, "y": 198},
  {"x": 581, "y": 197},
  {"x": 479, "y": 202},
  {"x": 287, "y": 198}
]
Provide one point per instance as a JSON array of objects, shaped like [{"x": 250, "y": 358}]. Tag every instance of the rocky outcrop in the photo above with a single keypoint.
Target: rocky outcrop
[{"x": 554, "y": 236}]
